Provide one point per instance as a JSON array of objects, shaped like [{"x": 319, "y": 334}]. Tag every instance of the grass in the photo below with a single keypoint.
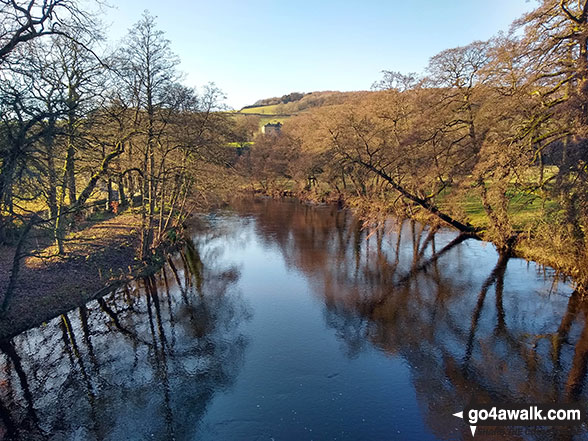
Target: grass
[
  {"x": 240, "y": 144},
  {"x": 524, "y": 209},
  {"x": 263, "y": 120},
  {"x": 273, "y": 120},
  {"x": 265, "y": 110}
]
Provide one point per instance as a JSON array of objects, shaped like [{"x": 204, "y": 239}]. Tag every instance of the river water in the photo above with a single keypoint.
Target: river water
[{"x": 283, "y": 321}]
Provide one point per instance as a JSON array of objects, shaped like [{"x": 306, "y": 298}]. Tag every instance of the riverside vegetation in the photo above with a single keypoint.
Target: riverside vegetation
[
  {"x": 104, "y": 154},
  {"x": 490, "y": 140}
]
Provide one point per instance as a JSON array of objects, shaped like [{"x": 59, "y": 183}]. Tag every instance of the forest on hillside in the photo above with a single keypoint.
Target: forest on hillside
[{"x": 490, "y": 140}]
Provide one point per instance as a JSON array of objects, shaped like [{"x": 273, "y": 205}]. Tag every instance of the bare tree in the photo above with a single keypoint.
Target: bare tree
[
  {"x": 24, "y": 20},
  {"x": 148, "y": 70}
]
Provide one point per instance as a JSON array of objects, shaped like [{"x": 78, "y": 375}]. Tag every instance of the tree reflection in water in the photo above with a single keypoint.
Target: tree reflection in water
[
  {"x": 141, "y": 363},
  {"x": 466, "y": 331},
  {"x": 147, "y": 361}
]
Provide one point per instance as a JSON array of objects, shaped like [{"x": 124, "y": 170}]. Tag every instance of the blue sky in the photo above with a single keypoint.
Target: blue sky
[{"x": 256, "y": 49}]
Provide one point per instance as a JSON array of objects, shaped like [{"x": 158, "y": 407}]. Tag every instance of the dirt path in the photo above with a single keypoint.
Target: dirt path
[{"x": 97, "y": 254}]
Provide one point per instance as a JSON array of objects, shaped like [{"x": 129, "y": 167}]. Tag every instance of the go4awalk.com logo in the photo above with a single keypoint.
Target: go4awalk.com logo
[{"x": 521, "y": 415}]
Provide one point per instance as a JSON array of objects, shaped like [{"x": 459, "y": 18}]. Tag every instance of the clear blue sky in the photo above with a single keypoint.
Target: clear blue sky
[{"x": 256, "y": 49}]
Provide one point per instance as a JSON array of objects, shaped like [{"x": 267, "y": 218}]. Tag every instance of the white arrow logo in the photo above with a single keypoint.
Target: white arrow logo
[{"x": 460, "y": 415}]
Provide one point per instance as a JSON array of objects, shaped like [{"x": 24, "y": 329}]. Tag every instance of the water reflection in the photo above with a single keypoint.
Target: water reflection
[
  {"x": 324, "y": 329},
  {"x": 469, "y": 322},
  {"x": 141, "y": 363}
]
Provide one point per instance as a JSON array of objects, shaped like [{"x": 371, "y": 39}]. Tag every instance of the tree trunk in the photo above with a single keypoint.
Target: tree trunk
[
  {"x": 52, "y": 176},
  {"x": 70, "y": 173},
  {"x": 109, "y": 197},
  {"x": 122, "y": 198},
  {"x": 419, "y": 201},
  {"x": 18, "y": 255}
]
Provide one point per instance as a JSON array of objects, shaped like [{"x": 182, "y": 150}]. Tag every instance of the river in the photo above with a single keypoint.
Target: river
[{"x": 283, "y": 321}]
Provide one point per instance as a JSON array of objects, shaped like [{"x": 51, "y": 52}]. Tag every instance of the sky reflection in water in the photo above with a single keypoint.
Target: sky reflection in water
[{"x": 292, "y": 325}]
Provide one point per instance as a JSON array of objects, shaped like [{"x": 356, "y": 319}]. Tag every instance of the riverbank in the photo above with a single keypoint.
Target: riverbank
[
  {"x": 550, "y": 251},
  {"x": 296, "y": 310},
  {"x": 100, "y": 256}
]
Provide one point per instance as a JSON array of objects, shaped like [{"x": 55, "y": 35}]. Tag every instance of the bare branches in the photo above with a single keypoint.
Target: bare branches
[
  {"x": 562, "y": 4},
  {"x": 22, "y": 21}
]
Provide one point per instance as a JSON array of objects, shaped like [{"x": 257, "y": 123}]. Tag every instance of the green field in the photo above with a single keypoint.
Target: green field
[
  {"x": 263, "y": 118},
  {"x": 240, "y": 144},
  {"x": 265, "y": 110},
  {"x": 272, "y": 119},
  {"x": 524, "y": 209}
]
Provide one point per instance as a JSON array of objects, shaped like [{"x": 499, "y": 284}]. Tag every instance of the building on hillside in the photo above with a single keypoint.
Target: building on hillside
[{"x": 271, "y": 129}]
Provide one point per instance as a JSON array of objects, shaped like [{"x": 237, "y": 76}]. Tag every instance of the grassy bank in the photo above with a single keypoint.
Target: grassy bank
[{"x": 529, "y": 216}]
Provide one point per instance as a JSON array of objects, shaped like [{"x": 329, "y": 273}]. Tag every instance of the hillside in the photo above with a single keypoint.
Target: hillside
[
  {"x": 284, "y": 99},
  {"x": 269, "y": 106}
]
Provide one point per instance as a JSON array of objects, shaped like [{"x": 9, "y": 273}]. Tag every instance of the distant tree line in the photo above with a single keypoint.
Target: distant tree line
[
  {"x": 284, "y": 99},
  {"x": 309, "y": 101}
]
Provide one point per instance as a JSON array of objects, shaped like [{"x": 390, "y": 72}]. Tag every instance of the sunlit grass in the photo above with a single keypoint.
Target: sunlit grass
[
  {"x": 263, "y": 120},
  {"x": 524, "y": 210},
  {"x": 265, "y": 110},
  {"x": 273, "y": 120}
]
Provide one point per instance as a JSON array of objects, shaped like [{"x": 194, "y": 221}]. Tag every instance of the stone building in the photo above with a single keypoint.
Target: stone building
[{"x": 271, "y": 129}]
